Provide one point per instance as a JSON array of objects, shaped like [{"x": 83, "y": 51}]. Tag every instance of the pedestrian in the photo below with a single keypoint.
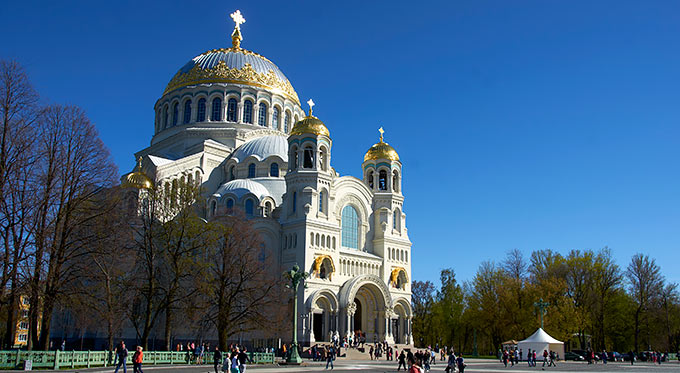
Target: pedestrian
[
  {"x": 631, "y": 356},
  {"x": 234, "y": 362},
  {"x": 552, "y": 359},
  {"x": 217, "y": 358},
  {"x": 413, "y": 366},
  {"x": 461, "y": 363},
  {"x": 137, "y": 359},
  {"x": 545, "y": 356},
  {"x": 370, "y": 352},
  {"x": 402, "y": 360},
  {"x": 243, "y": 358},
  {"x": 121, "y": 354},
  {"x": 330, "y": 356},
  {"x": 451, "y": 364}
]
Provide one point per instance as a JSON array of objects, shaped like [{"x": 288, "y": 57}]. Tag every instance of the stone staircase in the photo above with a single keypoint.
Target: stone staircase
[{"x": 355, "y": 354}]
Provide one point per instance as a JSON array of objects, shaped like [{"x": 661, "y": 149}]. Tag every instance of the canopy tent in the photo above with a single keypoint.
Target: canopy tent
[{"x": 540, "y": 341}]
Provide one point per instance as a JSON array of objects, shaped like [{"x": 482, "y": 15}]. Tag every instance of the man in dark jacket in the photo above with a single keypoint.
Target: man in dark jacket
[
  {"x": 217, "y": 358},
  {"x": 121, "y": 354},
  {"x": 242, "y": 359}
]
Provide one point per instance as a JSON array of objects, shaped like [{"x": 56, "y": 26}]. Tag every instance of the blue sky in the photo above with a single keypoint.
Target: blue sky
[{"x": 520, "y": 124}]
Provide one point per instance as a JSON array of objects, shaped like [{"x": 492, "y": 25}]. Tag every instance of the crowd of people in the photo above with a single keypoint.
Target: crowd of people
[{"x": 514, "y": 356}]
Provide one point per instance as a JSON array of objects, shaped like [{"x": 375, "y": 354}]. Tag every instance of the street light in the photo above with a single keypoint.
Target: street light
[{"x": 295, "y": 276}]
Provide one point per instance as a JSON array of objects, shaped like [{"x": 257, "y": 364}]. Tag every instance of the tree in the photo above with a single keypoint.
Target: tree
[
  {"x": 75, "y": 167},
  {"x": 241, "y": 287},
  {"x": 607, "y": 280},
  {"x": 422, "y": 297},
  {"x": 448, "y": 308},
  {"x": 18, "y": 110},
  {"x": 645, "y": 282}
]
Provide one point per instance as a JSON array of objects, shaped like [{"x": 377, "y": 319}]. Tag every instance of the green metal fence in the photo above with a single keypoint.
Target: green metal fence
[{"x": 79, "y": 359}]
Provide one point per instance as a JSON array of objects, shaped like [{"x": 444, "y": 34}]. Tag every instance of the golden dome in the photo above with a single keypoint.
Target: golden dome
[
  {"x": 137, "y": 179},
  {"x": 381, "y": 150},
  {"x": 310, "y": 124}
]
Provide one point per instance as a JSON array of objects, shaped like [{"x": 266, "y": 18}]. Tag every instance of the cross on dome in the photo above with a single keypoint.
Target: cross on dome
[
  {"x": 382, "y": 131},
  {"x": 311, "y": 105},
  {"x": 238, "y": 18}
]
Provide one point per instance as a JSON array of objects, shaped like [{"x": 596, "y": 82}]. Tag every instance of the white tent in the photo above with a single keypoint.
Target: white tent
[{"x": 540, "y": 341}]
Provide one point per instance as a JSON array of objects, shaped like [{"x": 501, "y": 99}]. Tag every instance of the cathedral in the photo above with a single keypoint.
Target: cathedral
[{"x": 230, "y": 120}]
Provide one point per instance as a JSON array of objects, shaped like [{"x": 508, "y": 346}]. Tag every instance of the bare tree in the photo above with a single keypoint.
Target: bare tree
[
  {"x": 242, "y": 287},
  {"x": 18, "y": 109},
  {"x": 75, "y": 167},
  {"x": 645, "y": 281}
]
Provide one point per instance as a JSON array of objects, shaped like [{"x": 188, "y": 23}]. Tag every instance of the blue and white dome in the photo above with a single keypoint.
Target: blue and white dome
[
  {"x": 262, "y": 148},
  {"x": 242, "y": 187}
]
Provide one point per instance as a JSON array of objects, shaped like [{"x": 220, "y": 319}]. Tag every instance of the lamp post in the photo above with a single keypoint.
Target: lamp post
[
  {"x": 295, "y": 276},
  {"x": 541, "y": 306}
]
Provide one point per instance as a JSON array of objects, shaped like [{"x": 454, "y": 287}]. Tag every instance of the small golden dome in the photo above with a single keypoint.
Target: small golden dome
[
  {"x": 381, "y": 150},
  {"x": 137, "y": 179},
  {"x": 310, "y": 124}
]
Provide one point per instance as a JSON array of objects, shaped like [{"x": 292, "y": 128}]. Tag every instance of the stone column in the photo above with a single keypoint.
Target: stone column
[{"x": 351, "y": 309}]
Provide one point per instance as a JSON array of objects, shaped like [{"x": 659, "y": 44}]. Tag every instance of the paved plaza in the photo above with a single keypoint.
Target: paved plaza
[{"x": 473, "y": 365}]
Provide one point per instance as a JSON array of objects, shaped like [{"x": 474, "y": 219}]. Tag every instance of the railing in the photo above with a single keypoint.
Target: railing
[{"x": 79, "y": 359}]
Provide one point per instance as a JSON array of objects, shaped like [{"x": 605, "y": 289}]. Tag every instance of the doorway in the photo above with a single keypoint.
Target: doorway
[{"x": 317, "y": 326}]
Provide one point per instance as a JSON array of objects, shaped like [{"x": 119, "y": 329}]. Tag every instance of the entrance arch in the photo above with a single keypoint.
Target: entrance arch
[
  {"x": 323, "y": 315},
  {"x": 367, "y": 307}
]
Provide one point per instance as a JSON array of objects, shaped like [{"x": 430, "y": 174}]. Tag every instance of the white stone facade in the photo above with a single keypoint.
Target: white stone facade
[{"x": 359, "y": 257}]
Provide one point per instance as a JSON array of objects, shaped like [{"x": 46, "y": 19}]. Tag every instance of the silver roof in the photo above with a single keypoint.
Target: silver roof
[
  {"x": 233, "y": 59},
  {"x": 262, "y": 148}
]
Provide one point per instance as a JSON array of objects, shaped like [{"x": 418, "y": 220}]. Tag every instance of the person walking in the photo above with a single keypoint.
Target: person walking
[
  {"x": 370, "y": 352},
  {"x": 553, "y": 357},
  {"x": 234, "y": 362},
  {"x": 217, "y": 358},
  {"x": 243, "y": 358},
  {"x": 121, "y": 354},
  {"x": 461, "y": 364},
  {"x": 451, "y": 364},
  {"x": 402, "y": 360},
  {"x": 137, "y": 359},
  {"x": 330, "y": 356},
  {"x": 545, "y": 356}
]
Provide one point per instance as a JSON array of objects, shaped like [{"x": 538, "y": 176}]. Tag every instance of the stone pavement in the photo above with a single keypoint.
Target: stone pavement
[{"x": 473, "y": 365}]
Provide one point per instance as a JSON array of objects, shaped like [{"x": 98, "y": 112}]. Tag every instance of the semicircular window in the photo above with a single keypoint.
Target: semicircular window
[{"x": 250, "y": 207}]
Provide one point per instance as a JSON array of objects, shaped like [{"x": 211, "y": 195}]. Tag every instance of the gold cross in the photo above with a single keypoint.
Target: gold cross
[
  {"x": 238, "y": 18},
  {"x": 382, "y": 131}
]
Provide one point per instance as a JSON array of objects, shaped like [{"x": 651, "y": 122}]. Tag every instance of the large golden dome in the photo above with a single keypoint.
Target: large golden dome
[
  {"x": 381, "y": 150},
  {"x": 233, "y": 65},
  {"x": 310, "y": 124},
  {"x": 137, "y": 179}
]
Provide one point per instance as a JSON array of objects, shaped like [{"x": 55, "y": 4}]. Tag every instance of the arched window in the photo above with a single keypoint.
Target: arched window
[
  {"x": 308, "y": 158},
  {"x": 268, "y": 209},
  {"x": 165, "y": 117},
  {"x": 262, "y": 115},
  {"x": 232, "y": 176},
  {"x": 201, "y": 110},
  {"x": 249, "y": 207},
  {"x": 248, "y": 112},
  {"x": 251, "y": 170},
  {"x": 323, "y": 158},
  {"x": 187, "y": 111},
  {"x": 396, "y": 217},
  {"x": 370, "y": 179},
  {"x": 382, "y": 180},
  {"x": 175, "y": 113},
  {"x": 293, "y": 158},
  {"x": 231, "y": 110},
  {"x": 321, "y": 197},
  {"x": 286, "y": 122},
  {"x": 275, "y": 118},
  {"x": 294, "y": 201},
  {"x": 216, "y": 114},
  {"x": 230, "y": 205},
  {"x": 395, "y": 181},
  {"x": 158, "y": 120},
  {"x": 274, "y": 170},
  {"x": 350, "y": 227}
]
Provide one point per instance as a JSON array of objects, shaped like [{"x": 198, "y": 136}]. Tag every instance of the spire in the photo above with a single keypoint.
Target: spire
[
  {"x": 311, "y": 105},
  {"x": 236, "y": 35},
  {"x": 382, "y": 131},
  {"x": 139, "y": 163}
]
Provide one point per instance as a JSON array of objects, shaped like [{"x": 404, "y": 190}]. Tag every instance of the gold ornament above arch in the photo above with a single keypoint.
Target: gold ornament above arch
[
  {"x": 318, "y": 261},
  {"x": 395, "y": 275}
]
